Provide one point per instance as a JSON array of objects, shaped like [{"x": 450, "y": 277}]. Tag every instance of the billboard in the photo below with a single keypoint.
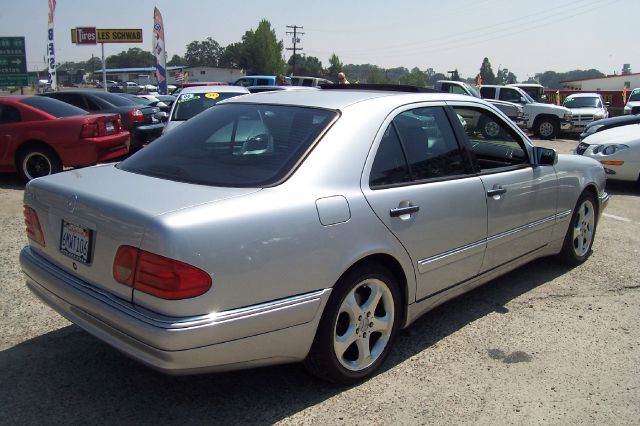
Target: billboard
[{"x": 82, "y": 35}]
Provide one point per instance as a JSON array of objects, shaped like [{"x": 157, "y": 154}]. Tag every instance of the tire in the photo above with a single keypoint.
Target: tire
[
  {"x": 38, "y": 161},
  {"x": 489, "y": 128},
  {"x": 578, "y": 241},
  {"x": 547, "y": 128},
  {"x": 357, "y": 328}
]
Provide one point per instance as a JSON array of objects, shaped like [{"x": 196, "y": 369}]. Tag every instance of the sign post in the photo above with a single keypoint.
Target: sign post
[
  {"x": 93, "y": 35},
  {"x": 13, "y": 62}
]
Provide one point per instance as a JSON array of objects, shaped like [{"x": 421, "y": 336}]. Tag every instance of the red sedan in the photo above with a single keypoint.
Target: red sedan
[{"x": 39, "y": 136}]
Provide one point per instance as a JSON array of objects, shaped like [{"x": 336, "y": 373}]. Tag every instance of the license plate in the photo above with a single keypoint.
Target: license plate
[
  {"x": 109, "y": 126},
  {"x": 75, "y": 242}
]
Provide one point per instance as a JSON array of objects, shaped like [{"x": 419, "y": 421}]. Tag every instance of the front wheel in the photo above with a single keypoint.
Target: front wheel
[
  {"x": 357, "y": 327},
  {"x": 38, "y": 161},
  {"x": 582, "y": 231},
  {"x": 547, "y": 128}
]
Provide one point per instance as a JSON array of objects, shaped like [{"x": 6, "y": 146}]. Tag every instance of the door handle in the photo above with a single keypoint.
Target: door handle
[
  {"x": 399, "y": 211},
  {"x": 496, "y": 191}
]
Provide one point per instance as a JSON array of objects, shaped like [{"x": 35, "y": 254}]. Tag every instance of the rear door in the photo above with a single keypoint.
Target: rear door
[
  {"x": 420, "y": 184},
  {"x": 521, "y": 198}
]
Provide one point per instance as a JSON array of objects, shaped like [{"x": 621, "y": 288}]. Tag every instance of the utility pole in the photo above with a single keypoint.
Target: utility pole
[{"x": 295, "y": 41}]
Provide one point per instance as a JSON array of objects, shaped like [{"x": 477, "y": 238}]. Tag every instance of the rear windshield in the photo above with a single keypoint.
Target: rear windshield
[
  {"x": 233, "y": 145},
  {"x": 190, "y": 104},
  {"x": 114, "y": 99},
  {"x": 583, "y": 102},
  {"x": 54, "y": 107}
]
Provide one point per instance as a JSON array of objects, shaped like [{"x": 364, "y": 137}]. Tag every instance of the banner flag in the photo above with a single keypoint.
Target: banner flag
[
  {"x": 159, "y": 51},
  {"x": 51, "y": 52}
]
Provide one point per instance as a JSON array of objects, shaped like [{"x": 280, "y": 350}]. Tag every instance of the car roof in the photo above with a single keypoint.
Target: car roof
[
  {"x": 218, "y": 89},
  {"x": 340, "y": 99},
  {"x": 583, "y": 95}
]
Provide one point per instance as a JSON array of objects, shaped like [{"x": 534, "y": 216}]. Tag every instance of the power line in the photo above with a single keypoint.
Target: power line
[{"x": 295, "y": 41}]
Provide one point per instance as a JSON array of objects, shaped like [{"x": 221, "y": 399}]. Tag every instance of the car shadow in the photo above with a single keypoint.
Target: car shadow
[
  {"x": 622, "y": 188},
  {"x": 11, "y": 181},
  {"x": 69, "y": 376}
]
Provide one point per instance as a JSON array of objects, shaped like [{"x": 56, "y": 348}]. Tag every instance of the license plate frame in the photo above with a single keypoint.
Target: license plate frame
[{"x": 76, "y": 242}]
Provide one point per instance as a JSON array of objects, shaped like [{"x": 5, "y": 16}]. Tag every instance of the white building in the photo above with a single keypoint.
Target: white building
[
  {"x": 610, "y": 82},
  {"x": 146, "y": 75}
]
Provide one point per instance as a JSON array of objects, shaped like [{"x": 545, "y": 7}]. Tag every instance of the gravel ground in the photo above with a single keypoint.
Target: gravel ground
[{"x": 544, "y": 344}]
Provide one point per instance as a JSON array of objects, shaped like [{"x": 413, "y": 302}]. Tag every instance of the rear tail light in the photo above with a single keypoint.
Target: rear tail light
[
  {"x": 158, "y": 275},
  {"x": 136, "y": 116},
  {"x": 34, "y": 230},
  {"x": 89, "y": 130}
]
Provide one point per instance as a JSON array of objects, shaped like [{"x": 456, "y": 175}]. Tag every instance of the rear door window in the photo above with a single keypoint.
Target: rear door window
[
  {"x": 418, "y": 145},
  {"x": 54, "y": 107}
]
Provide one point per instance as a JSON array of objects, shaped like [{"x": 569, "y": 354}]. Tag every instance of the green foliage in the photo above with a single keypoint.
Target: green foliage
[
  {"x": 504, "y": 76},
  {"x": 335, "y": 66},
  {"x": 264, "y": 49},
  {"x": 233, "y": 57},
  {"x": 552, "y": 79},
  {"x": 203, "y": 53},
  {"x": 488, "y": 77},
  {"x": 176, "y": 60},
  {"x": 414, "y": 78},
  {"x": 378, "y": 76},
  {"x": 305, "y": 65},
  {"x": 132, "y": 58}
]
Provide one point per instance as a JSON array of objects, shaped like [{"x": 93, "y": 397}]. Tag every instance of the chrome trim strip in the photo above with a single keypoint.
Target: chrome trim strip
[
  {"x": 563, "y": 215},
  {"x": 158, "y": 320},
  {"x": 521, "y": 228},
  {"x": 423, "y": 265}
]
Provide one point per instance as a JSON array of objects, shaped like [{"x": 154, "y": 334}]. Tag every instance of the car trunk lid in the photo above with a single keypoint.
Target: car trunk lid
[{"x": 87, "y": 214}]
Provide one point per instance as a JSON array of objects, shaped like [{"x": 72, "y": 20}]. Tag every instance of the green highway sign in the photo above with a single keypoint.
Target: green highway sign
[{"x": 13, "y": 62}]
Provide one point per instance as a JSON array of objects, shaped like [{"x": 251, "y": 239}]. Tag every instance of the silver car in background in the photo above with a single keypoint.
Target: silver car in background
[{"x": 301, "y": 226}]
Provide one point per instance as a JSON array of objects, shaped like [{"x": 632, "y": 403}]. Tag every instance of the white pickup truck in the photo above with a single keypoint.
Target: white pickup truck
[
  {"x": 514, "y": 111},
  {"x": 545, "y": 120}
]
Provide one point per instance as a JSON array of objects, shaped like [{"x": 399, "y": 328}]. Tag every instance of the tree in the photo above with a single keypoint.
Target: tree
[
  {"x": 262, "y": 51},
  {"x": 335, "y": 66},
  {"x": 414, "y": 78},
  {"x": 305, "y": 65},
  {"x": 377, "y": 76},
  {"x": 203, "y": 53},
  {"x": 176, "y": 60},
  {"x": 233, "y": 57},
  {"x": 132, "y": 58},
  {"x": 552, "y": 79},
  {"x": 488, "y": 77},
  {"x": 504, "y": 76}
]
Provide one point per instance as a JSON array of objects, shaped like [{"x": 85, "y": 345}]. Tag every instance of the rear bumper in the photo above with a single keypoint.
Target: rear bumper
[
  {"x": 90, "y": 151},
  {"x": 270, "y": 333},
  {"x": 145, "y": 133}
]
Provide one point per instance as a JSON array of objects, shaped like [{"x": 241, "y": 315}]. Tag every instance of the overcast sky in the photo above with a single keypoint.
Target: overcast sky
[{"x": 527, "y": 37}]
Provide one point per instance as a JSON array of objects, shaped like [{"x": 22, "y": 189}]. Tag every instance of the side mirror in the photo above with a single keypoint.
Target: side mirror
[
  {"x": 162, "y": 116},
  {"x": 523, "y": 100},
  {"x": 545, "y": 156}
]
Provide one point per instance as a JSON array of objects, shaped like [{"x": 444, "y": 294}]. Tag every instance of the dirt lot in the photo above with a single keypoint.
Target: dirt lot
[{"x": 542, "y": 345}]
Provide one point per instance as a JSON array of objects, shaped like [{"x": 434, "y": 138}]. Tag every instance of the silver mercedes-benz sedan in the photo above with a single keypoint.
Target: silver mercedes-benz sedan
[{"x": 301, "y": 226}]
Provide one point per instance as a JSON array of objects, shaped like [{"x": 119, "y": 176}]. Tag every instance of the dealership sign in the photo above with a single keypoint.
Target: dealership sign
[{"x": 92, "y": 35}]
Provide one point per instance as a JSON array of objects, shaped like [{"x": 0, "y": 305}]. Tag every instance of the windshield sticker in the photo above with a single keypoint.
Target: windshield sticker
[
  {"x": 212, "y": 95},
  {"x": 186, "y": 97}
]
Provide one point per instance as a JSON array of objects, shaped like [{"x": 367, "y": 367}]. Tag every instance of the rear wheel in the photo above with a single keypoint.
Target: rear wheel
[
  {"x": 357, "y": 327},
  {"x": 582, "y": 231},
  {"x": 38, "y": 161}
]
